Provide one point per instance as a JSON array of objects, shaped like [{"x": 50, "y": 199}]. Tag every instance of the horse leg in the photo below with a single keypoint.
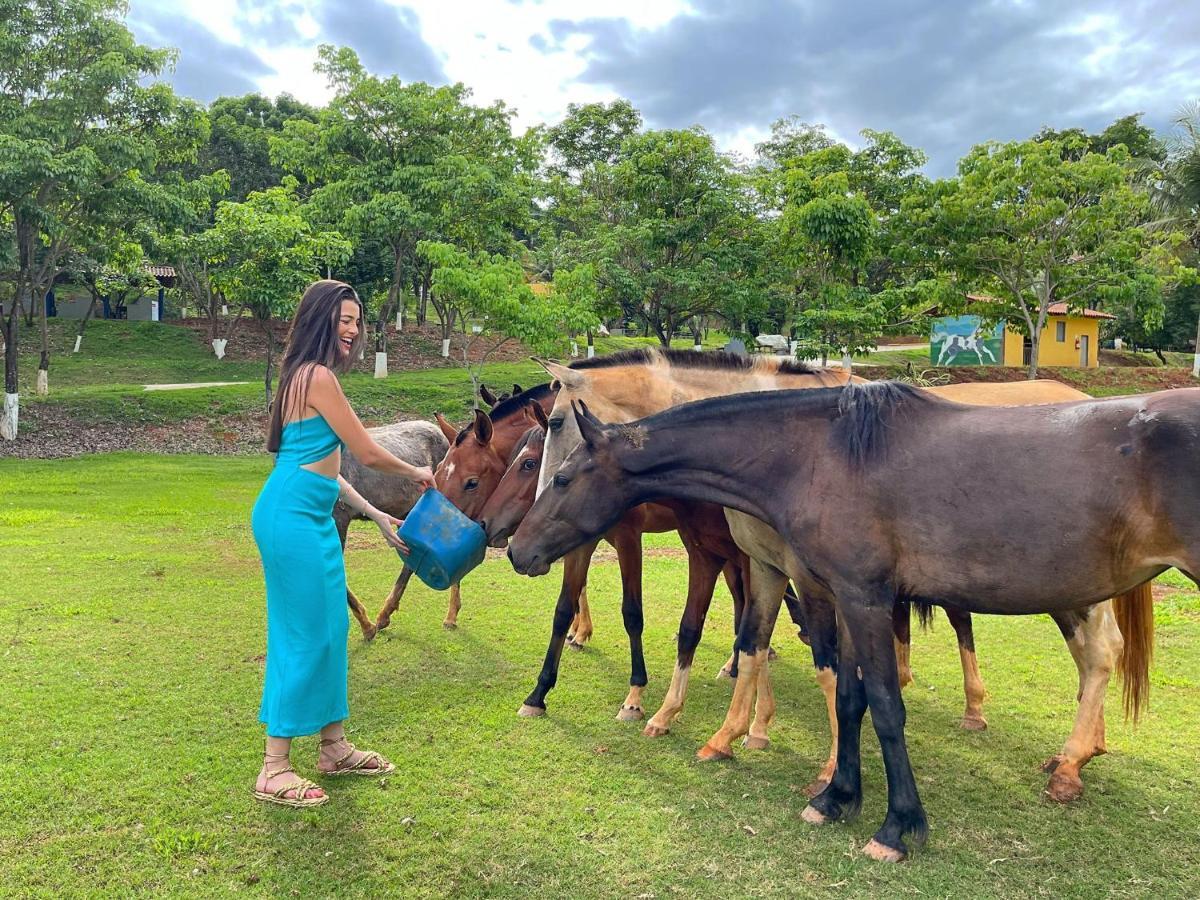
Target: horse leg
[
  {"x": 629, "y": 555},
  {"x": 867, "y": 656},
  {"x": 739, "y": 578},
  {"x": 451, "y": 621},
  {"x": 703, "y": 569},
  {"x": 902, "y": 640},
  {"x": 575, "y": 566},
  {"x": 393, "y": 600},
  {"x": 770, "y": 586},
  {"x": 972, "y": 719},
  {"x": 821, "y": 617},
  {"x": 758, "y": 621},
  {"x": 1095, "y": 643},
  {"x": 581, "y": 626},
  {"x": 360, "y": 613},
  {"x": 795, "y": 608}
]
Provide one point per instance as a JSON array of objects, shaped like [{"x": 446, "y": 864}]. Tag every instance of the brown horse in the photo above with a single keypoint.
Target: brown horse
[
  {"x": 867, "y": 486},
  {"x": 629, "y": 386},
  {"x": 470, "y": 471}
]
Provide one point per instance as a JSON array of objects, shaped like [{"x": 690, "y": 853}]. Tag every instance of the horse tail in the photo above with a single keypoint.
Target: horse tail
[
  {"x": 1134, "y": 610},
  {"x": 924, "y": 613}
]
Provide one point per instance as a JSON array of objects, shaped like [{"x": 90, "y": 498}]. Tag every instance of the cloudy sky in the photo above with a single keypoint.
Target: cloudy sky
[{"x": 942, "y": 75}]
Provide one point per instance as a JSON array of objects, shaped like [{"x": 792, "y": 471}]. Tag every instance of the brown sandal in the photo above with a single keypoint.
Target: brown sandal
[
  {"x": 301, "y": 787},
  {"x": 371, "y": 762}
]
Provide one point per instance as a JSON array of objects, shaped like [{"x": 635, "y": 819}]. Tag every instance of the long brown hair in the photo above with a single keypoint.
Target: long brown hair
[{"x": 312, "y": 339}]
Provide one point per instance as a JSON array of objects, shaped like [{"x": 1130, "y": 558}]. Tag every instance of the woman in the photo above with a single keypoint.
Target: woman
[{"x": 307, "y": 621}]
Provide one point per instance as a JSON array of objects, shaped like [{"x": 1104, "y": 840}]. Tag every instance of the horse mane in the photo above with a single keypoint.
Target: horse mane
[
  {"x": 864, "y": 413},
  {"x": 713, "y": 360},
  {"x": 507, "y": 408}
]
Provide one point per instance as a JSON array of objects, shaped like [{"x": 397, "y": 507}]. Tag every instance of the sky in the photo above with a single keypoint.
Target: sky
[{"x": 942, "y": 75}]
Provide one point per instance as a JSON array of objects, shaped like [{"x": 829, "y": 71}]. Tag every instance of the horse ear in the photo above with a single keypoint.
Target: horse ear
[
  {"x": 590, "y": 427},
  {"x": 565, "y": 375},
  {"x": 486, "y": 395},
  {"x": 447, "y": 429},
  {"x": 517, "y": 389},
  {"x": 483, "y": 427},
  {"x": 540, "y": 415}
]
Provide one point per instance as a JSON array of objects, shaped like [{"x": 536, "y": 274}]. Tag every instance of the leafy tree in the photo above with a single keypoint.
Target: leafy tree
[
  {"x": 111, "y": 263},
  {"x": 590, "y": 134},
  {"x": 239, "y": 141},
  {"x": 1033, "y": 226},
  {"x": 393, "y": 164},
  {"x": 264, "y": 253},
  {"x": 495, "y": 304},
  {"x": 1139, "y": 140},
  {"x": 80, "y": 128}
]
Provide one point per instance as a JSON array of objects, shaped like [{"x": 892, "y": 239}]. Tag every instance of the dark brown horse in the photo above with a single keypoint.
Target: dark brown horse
[{"x": 869, "y": 487}]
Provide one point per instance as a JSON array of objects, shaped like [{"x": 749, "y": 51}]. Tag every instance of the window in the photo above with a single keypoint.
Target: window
[{"x": 1060, "y": 332}]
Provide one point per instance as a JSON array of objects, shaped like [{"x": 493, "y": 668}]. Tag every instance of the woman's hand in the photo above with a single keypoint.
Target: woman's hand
[
  {"x": 387, "y": 526},
  {"x": 423, "y": 476}
]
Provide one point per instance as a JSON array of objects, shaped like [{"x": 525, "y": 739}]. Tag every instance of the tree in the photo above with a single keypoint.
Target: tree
[
  {"x": 589, "y": 134},
  {"x": 394, "y": 164},
  {"x": 112, "y": 264},
  {"x": 1139, "y": 140},
  {"x": 1174, "y": 190},
  {"x": 495, "y": 304},
  {"x": 264, "y": 253},
  {"x": 1032, "y": 226},
  {"x": 239, "y": 140},
  {"x": 79, "y": 131},
  {"x": 668, "y": 212}
]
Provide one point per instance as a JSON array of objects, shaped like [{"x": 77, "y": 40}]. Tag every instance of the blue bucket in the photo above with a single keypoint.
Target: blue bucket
[{"x": 443, "y": 544}]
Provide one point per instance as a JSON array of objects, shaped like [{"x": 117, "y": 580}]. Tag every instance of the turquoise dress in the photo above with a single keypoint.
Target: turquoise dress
[{"x": 307, "y": 619}]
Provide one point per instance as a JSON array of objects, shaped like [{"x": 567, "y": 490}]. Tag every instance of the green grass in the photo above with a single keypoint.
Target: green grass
[{"x": 131, "y": 628}]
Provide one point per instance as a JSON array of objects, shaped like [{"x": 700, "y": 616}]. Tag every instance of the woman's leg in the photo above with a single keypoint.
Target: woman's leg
[
  {"x": 277, "y": 772},
  {"x": 337, "y": 754}
]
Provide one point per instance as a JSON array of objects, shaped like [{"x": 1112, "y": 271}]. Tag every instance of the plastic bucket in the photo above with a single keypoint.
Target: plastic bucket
[{"x": 443, "y": 544}]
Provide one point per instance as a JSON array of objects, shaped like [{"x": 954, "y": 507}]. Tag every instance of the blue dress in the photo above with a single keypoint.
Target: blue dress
[{"x": 307, "y": 619}]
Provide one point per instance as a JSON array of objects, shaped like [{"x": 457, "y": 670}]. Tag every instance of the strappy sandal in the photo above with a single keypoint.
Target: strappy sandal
[
  {"x": 370, "y": 763},
  {"x": 301, "y": 787}
]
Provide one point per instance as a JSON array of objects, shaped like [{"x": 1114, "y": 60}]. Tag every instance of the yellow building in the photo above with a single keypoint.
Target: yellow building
[{"x": 1069, "y": 339}]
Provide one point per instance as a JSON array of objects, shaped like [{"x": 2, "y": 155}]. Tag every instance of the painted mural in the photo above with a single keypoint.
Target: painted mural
[{"x": 961, "y": 341}]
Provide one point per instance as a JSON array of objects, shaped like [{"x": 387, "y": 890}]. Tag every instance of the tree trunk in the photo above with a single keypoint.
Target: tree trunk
[
  {"x": 591, "y": 350},
  {"x": 1196, "y": 359},
  {"x": 8, "y": 421},
  {"x": 83, "y": 323},
  {"x": 697, "y": 336},
  {"x": 1034, "y": 346},
  {"x": 270, "y": 354},
  {"x": 43, "y": 376}
]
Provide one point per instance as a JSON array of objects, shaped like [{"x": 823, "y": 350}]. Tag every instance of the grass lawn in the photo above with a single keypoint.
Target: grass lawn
[{"x": 131, "y": 634}]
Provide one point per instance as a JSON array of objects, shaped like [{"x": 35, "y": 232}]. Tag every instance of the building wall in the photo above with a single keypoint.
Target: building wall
[{"x": 1054, "y": 352}]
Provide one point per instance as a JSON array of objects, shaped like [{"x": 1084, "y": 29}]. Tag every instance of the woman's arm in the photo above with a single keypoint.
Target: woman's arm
[
  {"x": 357, "y": 502},
  {"x": 326, "y": 397}
]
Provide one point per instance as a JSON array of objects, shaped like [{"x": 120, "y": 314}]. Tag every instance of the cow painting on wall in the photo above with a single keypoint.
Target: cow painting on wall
[{"x": 962, "y": 341}]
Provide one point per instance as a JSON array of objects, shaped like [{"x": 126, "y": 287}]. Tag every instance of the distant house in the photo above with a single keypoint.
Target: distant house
[
  {"x": 1069, "y": 339},
  {"x": 71, "y": 301}
]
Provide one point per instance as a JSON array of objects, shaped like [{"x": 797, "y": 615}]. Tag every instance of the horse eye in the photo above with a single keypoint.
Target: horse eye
[
  {"x": 529, "y": 464},
  {"x": 556, "y": 424},
  {"x": 471, "y": 484},
  {"x": 561, "y": 480}
]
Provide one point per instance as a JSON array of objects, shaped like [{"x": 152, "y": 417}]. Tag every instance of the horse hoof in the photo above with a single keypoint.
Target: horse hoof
[
  {"x": 756, "y": 743},
  {"x": 973, "y": 723},
  {"x": 630, "y": 713},
  {"x": 574, "y": 645},
  {"x": 450, "y": 626},
  {"x": 723, "y": 674},
  {"x": 815, "y": 788},
  {"x": 652, "y": 730},
  {"x": 530, "y": 712},
  {"x": 882, "y": 852},
  {"x": 369, "y": 633},
  {"x": 709, "y": 753},
  {"x": 1064, "y": 788},
  {"x": 1051, "y": 764},
  {"x": 813, "y": 816},
  {"x": 771, "y": 654}
]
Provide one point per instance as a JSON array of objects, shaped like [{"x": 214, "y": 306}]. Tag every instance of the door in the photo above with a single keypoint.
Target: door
[{"x": 1083, "y": 352}]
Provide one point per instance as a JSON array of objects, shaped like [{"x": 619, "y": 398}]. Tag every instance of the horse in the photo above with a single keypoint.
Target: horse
[
  {"x": 478, "y": 457},
  {"x": 954, "y": 344},
  {"x": 631, "y": 385},
  {"x": 513, "y": 417},
  {"x": 864, "y": 487},
  {"x": 415, "y": 442}
]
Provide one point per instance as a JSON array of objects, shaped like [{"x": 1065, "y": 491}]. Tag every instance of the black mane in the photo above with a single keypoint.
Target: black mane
[
  {"x": 506, "y": 408},
  {"x": 685, "y": 359}
]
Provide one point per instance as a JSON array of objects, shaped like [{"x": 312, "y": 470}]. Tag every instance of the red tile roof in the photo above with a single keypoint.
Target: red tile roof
[{"x": 1056, "y": 309}]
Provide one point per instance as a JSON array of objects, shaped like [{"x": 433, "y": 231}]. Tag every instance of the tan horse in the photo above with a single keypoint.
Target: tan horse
[{"x": 629, "y": 386}]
